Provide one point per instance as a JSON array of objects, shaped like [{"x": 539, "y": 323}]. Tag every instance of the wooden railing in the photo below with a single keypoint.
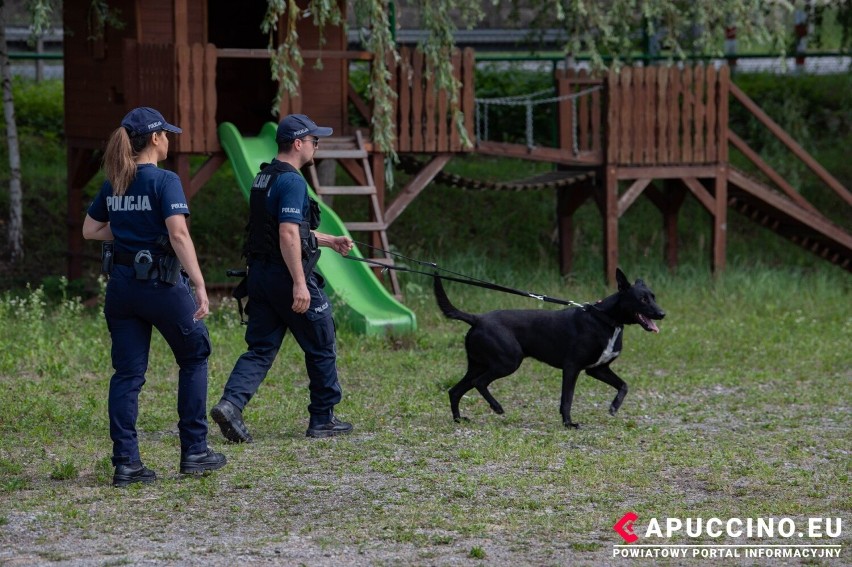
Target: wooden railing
[
  {"x": 423, "y": 114},
  {"x": 666, "y": 115},
  {"x": 580, "y": 110},
  {"x": 792, "y": 145}
]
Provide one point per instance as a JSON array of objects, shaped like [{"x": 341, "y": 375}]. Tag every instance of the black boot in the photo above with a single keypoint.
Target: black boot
[
  {"x": 230, "y": 420},
  {"x": 199, "y": 463},
  {"x": 329, "y": 429},
  {"x": 132, "y": 473}
]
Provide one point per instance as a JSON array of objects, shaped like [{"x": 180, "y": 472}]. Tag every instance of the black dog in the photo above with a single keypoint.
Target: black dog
[{"x": 572, "y": 339}]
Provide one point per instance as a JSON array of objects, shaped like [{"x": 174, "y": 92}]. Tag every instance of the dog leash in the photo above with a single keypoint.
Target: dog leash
[{"x": 455, "y": 277}]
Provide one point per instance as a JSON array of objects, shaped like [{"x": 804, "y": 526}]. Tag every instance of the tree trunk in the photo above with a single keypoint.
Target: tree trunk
[{"x": 16, "y": 225}]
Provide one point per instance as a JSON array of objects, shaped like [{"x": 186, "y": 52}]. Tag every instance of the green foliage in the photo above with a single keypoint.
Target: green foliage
[
  {"x": 477, "y": 552},
  {"x": 65, "y": 470},
  {"x": 614, "y": 30},
  {"x": 380, "y": 43},
  {"x": 287, "y": 59},
  {"x": 825, "y": 101},
  {"x": 39, "y": 107},
  {"x": 102, "y": 16}
]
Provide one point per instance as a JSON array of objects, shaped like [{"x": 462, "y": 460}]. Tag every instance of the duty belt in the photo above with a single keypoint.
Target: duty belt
[{"x": 128, "y": 258}]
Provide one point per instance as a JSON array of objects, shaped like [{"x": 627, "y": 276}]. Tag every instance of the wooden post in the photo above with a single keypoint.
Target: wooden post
[
  {"x": 610, "y": 223},
  {"x": 675, "y": 194},
  {"x": 179, "y": 163},
  {"x": 377, "y": 164},
  {"x": 568, "y": 200},
  {"x": 720, "y": 220}
]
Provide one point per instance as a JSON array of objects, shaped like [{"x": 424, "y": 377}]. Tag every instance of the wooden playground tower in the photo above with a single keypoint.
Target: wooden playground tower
[{"x": 662, "y": 132}]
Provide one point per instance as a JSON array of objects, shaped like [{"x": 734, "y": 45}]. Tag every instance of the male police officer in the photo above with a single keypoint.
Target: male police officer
[{"x": 284, "y": 291}]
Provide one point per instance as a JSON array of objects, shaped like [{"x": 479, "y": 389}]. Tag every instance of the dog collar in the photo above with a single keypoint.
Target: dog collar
[{"x": 594, "y": 310}]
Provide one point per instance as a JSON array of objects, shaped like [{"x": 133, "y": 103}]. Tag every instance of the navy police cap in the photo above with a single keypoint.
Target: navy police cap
[
  {"x": 146, "y": 120},
  {"x": 295, "y": 126}
]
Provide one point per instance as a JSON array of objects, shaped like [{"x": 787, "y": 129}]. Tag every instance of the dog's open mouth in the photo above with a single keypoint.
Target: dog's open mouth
[{"x": 646, "y": 323}]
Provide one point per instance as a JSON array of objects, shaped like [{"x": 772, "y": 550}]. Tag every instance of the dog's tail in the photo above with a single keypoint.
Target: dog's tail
[{"x": 448, "y": 308}]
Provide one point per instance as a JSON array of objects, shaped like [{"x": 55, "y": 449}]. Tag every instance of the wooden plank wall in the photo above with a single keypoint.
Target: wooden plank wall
[
  {"x": 666, "y": 115},
  {"x": 424, "y": 117},
  {"x": 154, "y": 78},
  {"x": 180, "y": 82},
  {"x": 196, "y": 98},
  {"x": 581, "y": 118},
  {"x": 95, "y": 94}
]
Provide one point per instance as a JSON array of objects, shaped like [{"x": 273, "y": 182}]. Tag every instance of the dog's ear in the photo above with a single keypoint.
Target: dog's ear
[{"x": 621, "y": 279}]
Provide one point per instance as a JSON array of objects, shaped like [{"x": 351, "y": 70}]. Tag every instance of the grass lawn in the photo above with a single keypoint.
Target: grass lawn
[{"x": 739, "y": 408}]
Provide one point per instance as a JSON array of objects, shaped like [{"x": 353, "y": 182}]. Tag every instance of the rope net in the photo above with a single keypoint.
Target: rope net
[{"x": 529, "y": 101}]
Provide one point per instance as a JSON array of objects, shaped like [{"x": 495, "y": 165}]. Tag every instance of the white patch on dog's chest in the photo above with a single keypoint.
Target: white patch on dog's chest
[{"x": 608, "y": 355}]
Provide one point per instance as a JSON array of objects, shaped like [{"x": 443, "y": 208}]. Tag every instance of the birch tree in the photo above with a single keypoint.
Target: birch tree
[
  {"x": 40, "y": 11},
  {"x": 16, "y": 218}
]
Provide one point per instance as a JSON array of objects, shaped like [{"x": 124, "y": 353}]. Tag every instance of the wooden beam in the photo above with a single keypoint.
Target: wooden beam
[
  {"x": 415, "y": 186},
  {"x": 720, "y": 220},
  {"x": 767, "y": 170},
  {"x": 554, "y": 155},
  {"x": 610, "y": 224},
  {"x": 701, "y": 193},
  {"x": 631, "y": 195},
  {"x": 211, "y": 135},
  {"x": 354, "y": 169},
  {"x": 666, "y": 172},
  {"x": 785, "y": 207},
  {"x": 238, "y": 53},
  {"x": 204, "y": 173},
  {"x": 180, "y": 165},
  {"x": 791, "y": 144},
  {"x": 468, "y": 93},
  {"x": 361, "y": 106}
]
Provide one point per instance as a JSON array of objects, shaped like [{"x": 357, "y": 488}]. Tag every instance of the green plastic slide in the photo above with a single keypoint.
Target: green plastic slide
[{"x": 360, "y": 300}]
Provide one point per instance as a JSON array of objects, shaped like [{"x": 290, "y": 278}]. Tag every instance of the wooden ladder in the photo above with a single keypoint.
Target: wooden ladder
[{"x": 351, "y": 150}]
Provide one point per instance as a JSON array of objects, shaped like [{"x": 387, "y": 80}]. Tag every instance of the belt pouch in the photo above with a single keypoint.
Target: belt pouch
[
  {"x": 143, "y": 264},
  {"x": 170, "y": 269},
  {"x": 107, "y": 250}
]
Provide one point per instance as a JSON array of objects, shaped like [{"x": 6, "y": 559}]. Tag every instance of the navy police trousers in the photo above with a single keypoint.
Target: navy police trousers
[
  {"x": 270, "y": 311},
  {"x": 132, "y": 308}
]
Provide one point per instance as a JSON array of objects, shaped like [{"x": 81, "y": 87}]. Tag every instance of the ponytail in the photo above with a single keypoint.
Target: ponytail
[{"x": 119, "y": 158}]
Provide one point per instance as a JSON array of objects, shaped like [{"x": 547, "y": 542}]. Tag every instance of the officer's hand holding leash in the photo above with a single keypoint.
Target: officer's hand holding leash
[{"x": 340, "y": 244}]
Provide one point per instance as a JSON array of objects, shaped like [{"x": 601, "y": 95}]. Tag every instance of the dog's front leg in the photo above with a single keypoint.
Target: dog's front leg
[
  {"x": 569, "y": 380},
  {"x": 605, "y": 374}
]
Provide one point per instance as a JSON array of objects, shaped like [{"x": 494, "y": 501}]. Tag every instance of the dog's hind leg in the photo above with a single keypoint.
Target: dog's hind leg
[
  {"x": 607, "y": 376},
  {"x": 456, "y": 393},
  {"x": 475, "y": 378},
  {"x": 482, "y": 388}
]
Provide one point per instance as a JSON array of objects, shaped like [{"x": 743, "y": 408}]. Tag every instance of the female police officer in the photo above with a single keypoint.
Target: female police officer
[{"x": 142, "y": 209}]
